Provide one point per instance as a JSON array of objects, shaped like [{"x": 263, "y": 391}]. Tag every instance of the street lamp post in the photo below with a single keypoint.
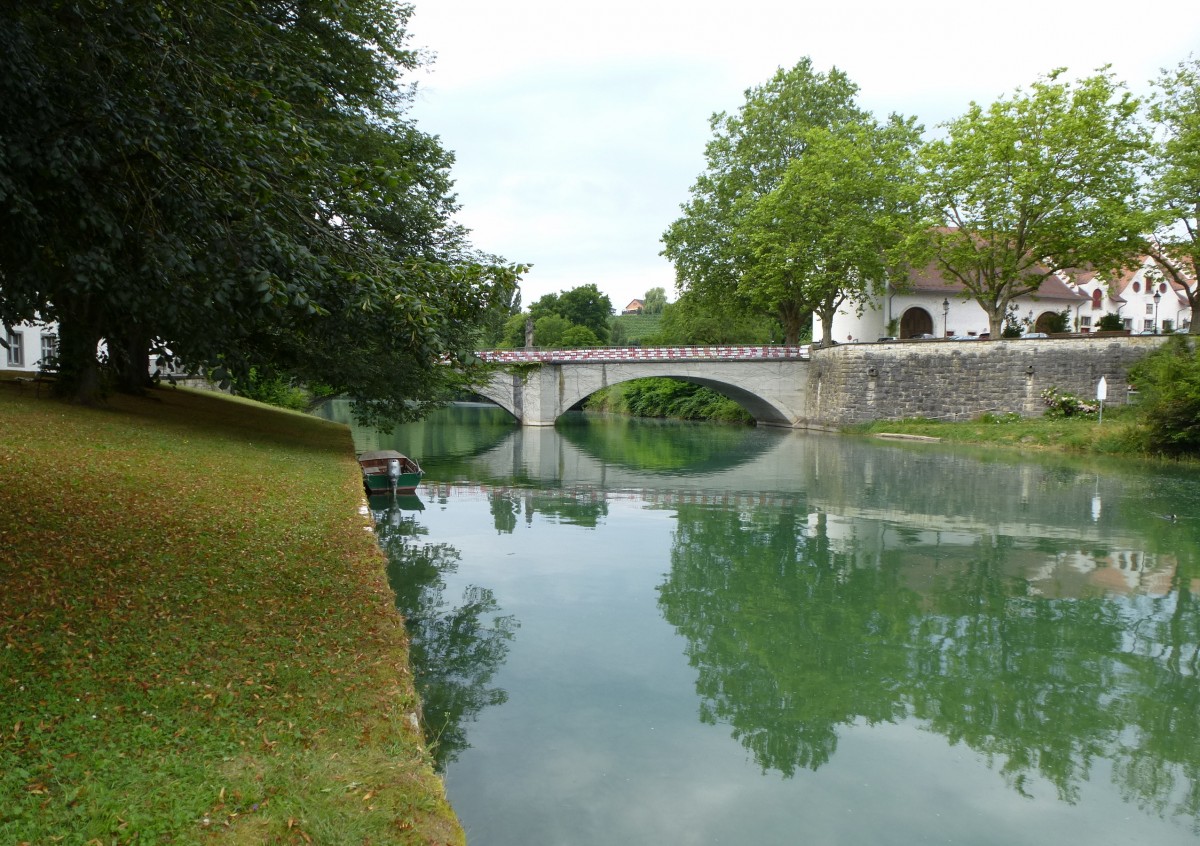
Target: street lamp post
[
  {"x": 945, "y": 316},
  {"x": 1157, "y": 297}
]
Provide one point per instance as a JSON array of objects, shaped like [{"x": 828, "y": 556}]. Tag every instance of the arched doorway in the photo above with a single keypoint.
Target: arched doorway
[
  {"x": 916, "y": 321},
  {"x": 1047, "y": 321}
]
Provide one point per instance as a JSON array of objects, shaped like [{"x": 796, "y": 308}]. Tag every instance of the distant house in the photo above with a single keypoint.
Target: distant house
[
  {"x": 634, "y": 307},
  {"x": 935, "y": 305}
]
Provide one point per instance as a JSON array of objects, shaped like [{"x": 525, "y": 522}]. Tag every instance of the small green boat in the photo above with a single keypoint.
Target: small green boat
[{"x": 386, "y": 471}]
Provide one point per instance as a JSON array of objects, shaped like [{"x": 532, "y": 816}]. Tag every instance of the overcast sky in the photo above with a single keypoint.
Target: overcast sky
[{"x": 579, "y": 128}]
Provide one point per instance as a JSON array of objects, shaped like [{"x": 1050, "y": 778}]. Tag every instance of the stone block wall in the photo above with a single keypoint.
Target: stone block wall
[{"x": 959, "y": 380}]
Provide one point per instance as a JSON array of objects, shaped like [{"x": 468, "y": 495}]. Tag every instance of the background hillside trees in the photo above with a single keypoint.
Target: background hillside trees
[
  {"x": 555, "y": 315},
  {"x": 240, "y": 183},
  {"x": 693, "y": 320},
  {"x": 1041, "y": 181},
  {"x": 654, "y": 301}
]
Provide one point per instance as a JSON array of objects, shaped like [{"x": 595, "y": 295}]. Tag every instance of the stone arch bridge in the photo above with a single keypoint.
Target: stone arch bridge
[
  {"x": 851, "y": 383},
  {"x": 538, "y": 386}
]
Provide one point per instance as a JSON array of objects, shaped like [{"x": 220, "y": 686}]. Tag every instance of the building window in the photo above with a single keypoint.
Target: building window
[
  {"x": 1149, "y": 308},
  {"x": 16, "y": 356},
  {"x": 1085, "y": 321},
  {"x": 1147, "y": 325},
  {"x": 1128, "y": 323},
  {"x": 49, "y": 349},
  {"x": 1168, "y": 326},
  {"x": 1097, "y": 298},
  {"x": 1137, "y": 286}
]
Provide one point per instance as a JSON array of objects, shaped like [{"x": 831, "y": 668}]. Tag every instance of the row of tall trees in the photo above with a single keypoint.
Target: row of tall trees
[
  {"x": 237, "y": 185},
  {"x": 808, "y": 203},
  {"x": 582, "y": 317}
]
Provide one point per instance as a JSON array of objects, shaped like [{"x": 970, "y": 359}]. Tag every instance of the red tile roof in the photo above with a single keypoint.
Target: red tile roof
[{"x": 932, "y": 278}]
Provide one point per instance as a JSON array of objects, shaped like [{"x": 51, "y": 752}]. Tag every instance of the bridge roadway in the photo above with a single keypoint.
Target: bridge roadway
[{"x": 538, "y": 386}]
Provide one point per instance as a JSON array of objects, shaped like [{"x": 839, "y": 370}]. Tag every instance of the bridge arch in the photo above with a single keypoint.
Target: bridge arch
[
  {"x": 495, "y": 391},
  {"x": 763, "y": 410},
  {"x": 760, "y": 408},
  {"x": 772, "y": 389}
]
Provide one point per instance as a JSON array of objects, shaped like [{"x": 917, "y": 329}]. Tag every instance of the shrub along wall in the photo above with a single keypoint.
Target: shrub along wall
[{"x": 959, "y": 380}]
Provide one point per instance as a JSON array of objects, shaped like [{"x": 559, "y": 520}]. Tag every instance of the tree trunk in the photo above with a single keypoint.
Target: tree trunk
[
  {"x": 791, "y": 319},
  {"x": 129, "y": 355},
  {"x": 827, "y": 316},
  {"x": 78, "y": 336},
  {"x": 995, "y": 316}
]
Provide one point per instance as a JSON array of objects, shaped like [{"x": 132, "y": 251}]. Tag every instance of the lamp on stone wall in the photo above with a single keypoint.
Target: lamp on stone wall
[
  {"x": 945, "y": 316},
  {"x": 1157, "y": 297}
]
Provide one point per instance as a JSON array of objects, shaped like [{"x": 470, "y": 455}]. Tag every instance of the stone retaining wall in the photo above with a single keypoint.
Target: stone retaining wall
[{"x": 959, "y": 380}]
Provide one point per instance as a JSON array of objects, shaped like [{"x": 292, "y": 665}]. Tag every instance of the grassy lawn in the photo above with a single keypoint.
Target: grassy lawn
[
  {"x": 197, "y": 640},
  {"x": 1116, "y": 435}
]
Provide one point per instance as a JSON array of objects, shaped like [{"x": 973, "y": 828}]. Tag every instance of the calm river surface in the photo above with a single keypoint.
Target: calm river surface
[{"x": 648, "y": 633}]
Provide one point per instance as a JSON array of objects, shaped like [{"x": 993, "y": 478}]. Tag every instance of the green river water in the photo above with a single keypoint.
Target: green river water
[{"x": 631, "y": 632}]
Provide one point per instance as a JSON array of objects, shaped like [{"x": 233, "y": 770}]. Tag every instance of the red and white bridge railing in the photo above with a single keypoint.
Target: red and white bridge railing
[{"x": 753, "y": 352}]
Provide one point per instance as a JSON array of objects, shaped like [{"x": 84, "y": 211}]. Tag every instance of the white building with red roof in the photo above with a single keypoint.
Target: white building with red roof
[{"x": 934, "y": 306}]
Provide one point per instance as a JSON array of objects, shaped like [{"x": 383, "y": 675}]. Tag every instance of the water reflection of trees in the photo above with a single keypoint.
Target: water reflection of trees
[
  {"x": 663, "y": 445},
  {"x": 567, "y": 507},
  {"x": 453, "y": 434},
  {"x": 793, "y": 636},
  {"x": 456, "y": 649}
]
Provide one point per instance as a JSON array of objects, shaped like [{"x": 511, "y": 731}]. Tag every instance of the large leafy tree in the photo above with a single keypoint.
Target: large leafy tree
[
  {"x": 1038, "y": 182},
  {"x": 827, "y": 235},
  {"x": 735, "y": 241},
  {"x": 583, "y": 306},
  {"x": 239, "y": 181},
  {"x": 1175, "y": 246},
  {"x": 587, "y": 306}
]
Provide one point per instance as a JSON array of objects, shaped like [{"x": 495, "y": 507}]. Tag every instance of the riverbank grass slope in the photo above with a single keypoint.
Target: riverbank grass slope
[
  {"x": 197, "y": 640},
  {"x": 1118, "y": 434}
]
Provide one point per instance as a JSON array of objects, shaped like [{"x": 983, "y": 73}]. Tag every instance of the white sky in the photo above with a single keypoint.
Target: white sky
[{"x": 579, "y": 128}]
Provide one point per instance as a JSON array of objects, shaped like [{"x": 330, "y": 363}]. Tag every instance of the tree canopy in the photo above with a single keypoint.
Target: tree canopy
[
  {"x": 796, "y": 206},
  {"x": 1041, "y": 181},
  {"x": 237, "y": 184},
  {"x": 692, "y": 320},
  {"x": 827, "y": 235},
  {"x": 554, "y": 314},
  {"x": 1175, "y": 173},
  {"x": 654, "y": 301}
]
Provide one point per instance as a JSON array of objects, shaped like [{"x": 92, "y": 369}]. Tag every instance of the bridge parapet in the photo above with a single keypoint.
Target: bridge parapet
[{"x": 754, "y": 352}]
